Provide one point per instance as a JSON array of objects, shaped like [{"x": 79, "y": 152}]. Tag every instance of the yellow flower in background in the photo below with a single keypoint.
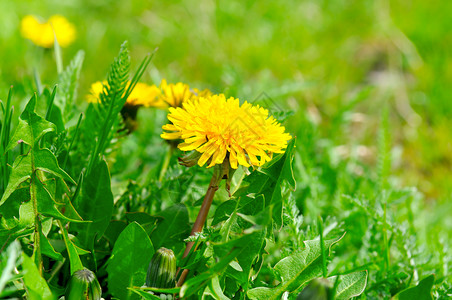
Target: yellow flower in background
[
  {"x": 175, "y": 94},
  {"x": 218, "y": 128},
  {"x": 43, "y": 34},
  {"x": 142, "y": 95},
  {"x": 95, "y": 91},
  {"x": 204, "y": 93}
]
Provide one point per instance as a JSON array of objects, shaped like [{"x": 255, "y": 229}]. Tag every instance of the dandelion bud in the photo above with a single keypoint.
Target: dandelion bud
[
  {"x": 83, "y": 285},
  {"x": 162, "y": 269}
]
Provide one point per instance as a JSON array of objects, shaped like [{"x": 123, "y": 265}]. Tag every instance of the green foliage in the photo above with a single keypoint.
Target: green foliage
[
  {"x": 129, "y": 261},
  {"x": 272, "y": 238},
  {"x": 350, "y": 285},
  {"x": 68, "y": 83},
  {"x": 37, "y": 288},
  {"x": 5, "y": 126},
  {"x": 422, "y": 291},
  {"x": 95, "y": 203},
  {"x": 9, "y": 259},
  {"x": 173, "y": 228},
  {"x": 296, "y": 270}
]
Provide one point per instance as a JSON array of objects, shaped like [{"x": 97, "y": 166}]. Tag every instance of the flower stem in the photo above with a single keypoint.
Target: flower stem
[
  {"x": 202, "y": 216},
  {"x": 166, "y": 162}
]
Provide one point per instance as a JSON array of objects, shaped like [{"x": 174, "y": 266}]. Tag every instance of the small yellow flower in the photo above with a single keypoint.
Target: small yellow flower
[
  {"x": 43, "y": 34},
  {"x": 142, "y": 94},
  {"x": 218, "y": 128},
  {"x": 95, "y": 91},
  {"x": 204, "y": 93},
  {"x": 175, "y": 94}
]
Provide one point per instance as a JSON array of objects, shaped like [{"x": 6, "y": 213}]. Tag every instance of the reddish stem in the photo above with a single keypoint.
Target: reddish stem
[{"x": 201, "y": 219}]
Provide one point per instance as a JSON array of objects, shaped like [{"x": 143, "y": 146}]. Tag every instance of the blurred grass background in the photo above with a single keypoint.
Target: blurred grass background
[{"x": 337, "y": 63}]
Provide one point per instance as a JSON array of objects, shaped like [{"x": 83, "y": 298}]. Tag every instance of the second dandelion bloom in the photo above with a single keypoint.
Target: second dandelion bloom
[
  {"x": 175, "y": 94},
  {"x": 43, "y": 33},
  {"x": 142, "y": 94},
  {"x": 220, "y": 128}
]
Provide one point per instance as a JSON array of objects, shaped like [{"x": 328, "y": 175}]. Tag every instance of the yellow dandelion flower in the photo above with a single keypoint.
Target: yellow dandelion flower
[
  {"x": 43, "y": 34},
  {"x": 141, "y": 95},
  {"x": 144, "y": 95},
  {"x": 218, "y": 128},
  {"x": 95, "y": 91},
  {"x": 204, "y": 93},
  {"x": 175, "y": 94}
]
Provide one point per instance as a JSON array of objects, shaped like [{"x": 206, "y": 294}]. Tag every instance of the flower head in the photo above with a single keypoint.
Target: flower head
[
  {"x": 141, "y": 95},
  {"x": 175, "y": 94},
  {"x": 43, "y": 33},
  {"x": 221, "y": 128}
]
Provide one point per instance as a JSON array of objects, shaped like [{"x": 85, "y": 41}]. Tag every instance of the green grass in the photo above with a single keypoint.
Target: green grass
[{"x": 366, "y": 83}]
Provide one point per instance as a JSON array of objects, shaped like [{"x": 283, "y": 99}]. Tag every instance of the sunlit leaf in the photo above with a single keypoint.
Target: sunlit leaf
[{"x": 129, "y": 261}]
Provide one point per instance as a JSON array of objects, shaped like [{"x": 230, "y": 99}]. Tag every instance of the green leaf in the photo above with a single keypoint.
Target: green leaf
[
  {"x": 227, "y": 252},
  {"x": 350, "y": 285},
  {"x": 36, "y": 286},
  {"x": 422, "y": 291},
  {"x": 26, "y": 214},
  {"x": 21, "y": 171},
  {"x": 145, "y": 292},
  {"x": 31, "y": 126},
  {"x": 47, "y": 249},
  {"x": 214, "y": 290},
  {"x": 113, "y": 230},
  {"x": 130, "y": 258},
  {"x": 173, "y": 290},
  {"x": 148, "y": 222},
  {"x": 281, "y": 168},
  {"x": 296, "y": 270},
  {"x": 247, "y": 257},
  {"x": 263, "y": 293},
  {"x": 174, "y": 227},
  {"x": 145, "y": 295},
  {"x": 224, "y": 211},
  {"x": 47, "y": 204},
  {"x": 269, "y": 179},
  {"x": 74, "y": 259},
  {"x": 68, "y": 82},
  {"x": 8, "y": 262},
  {"x": 47, "y": 162},
  {"x": 106, "y": 117},
  {"x": 95, "y": 204}
]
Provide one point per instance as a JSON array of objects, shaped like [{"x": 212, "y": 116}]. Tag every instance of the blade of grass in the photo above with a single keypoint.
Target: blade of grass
[
  {"x": 4, "y": 140},
  {"x": 58, "y": 55},
  {"x": 137, "y": 76},
  {"x": 73, "y": 139},
  {"x": 322, "y": 245}
]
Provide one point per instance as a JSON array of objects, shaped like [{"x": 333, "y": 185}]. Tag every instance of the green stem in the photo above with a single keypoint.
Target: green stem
[
  {"x": 4, "y": 139},
  {"x": 58, "y": 57},
  {"x": 37, "y": 81},
  {"x": 322, "y": 246},
  {"x": 166, "y": 162},
  {"x": 105, "y": 131},
  {"x": 37, "y": 232},
  {"x": 385, "y": 236},
  {"x": 72, "y": 142}
]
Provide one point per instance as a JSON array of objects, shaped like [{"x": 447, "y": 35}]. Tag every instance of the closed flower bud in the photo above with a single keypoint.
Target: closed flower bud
[
  {"x": 83, "y": 285},
  {"x": 162, "y": 269}
]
